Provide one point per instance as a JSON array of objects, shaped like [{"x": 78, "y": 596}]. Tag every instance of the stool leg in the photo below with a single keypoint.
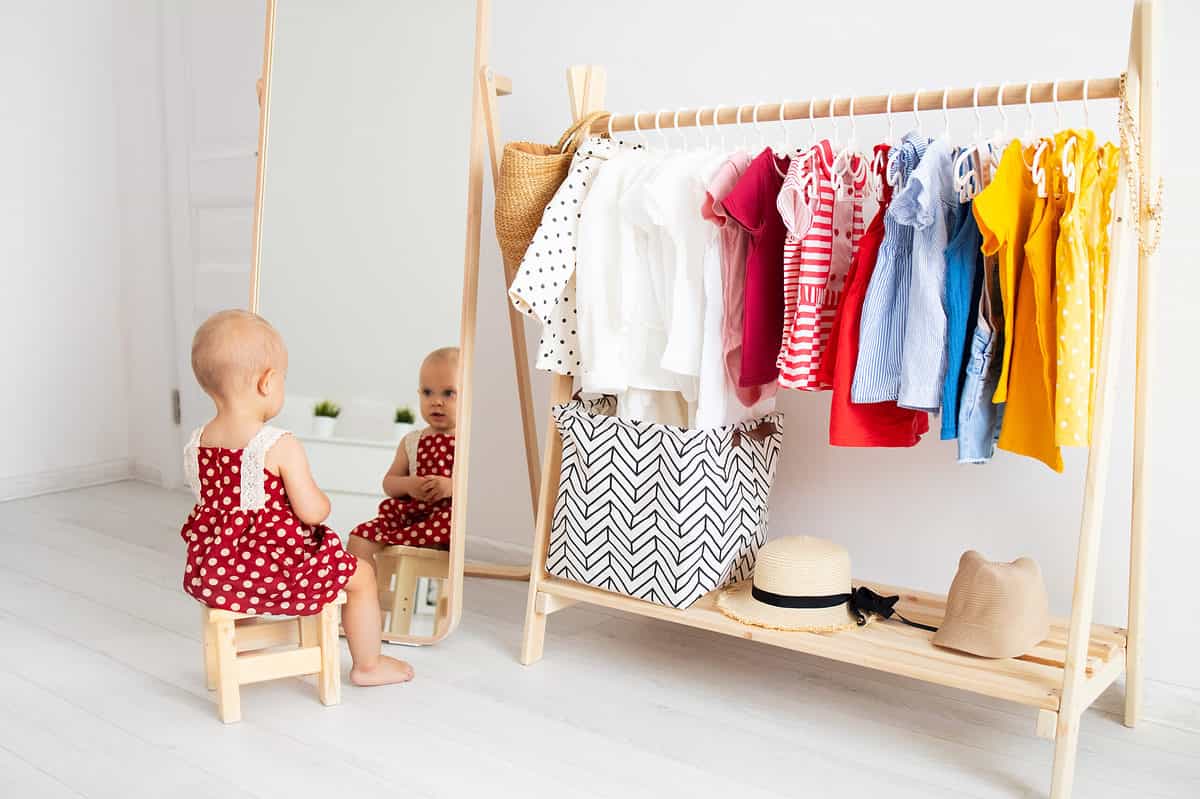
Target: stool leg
[
  {"x": 404, "y": 598},
  {"x": 330, "y": 679},
  {"x": 210, "y": 651},
  {"x": 310, "y": 630},
  {"x": 229, "y": 701}
]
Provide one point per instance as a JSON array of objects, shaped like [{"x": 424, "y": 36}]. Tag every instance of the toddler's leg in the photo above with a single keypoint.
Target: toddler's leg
[
  {"x": 365, "y": 550},
  {"x": 363, "y": 623}
]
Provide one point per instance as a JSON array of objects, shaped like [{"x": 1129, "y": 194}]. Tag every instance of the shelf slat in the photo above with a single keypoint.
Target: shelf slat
[{"x": 1034, "y": 680}]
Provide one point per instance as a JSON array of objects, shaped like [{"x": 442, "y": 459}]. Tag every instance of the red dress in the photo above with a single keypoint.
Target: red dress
[
  {"x": 877, "y": 424},
  {"x": 246, "y": 550},
  {"x": 406, "y": 521}
]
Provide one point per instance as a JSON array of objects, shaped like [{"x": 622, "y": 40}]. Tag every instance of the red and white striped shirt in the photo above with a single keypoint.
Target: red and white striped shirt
[{"x": 825, "y": 225}]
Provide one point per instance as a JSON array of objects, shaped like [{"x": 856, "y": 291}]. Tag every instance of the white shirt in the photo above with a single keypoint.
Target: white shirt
[{"x": 544, "y": 286}]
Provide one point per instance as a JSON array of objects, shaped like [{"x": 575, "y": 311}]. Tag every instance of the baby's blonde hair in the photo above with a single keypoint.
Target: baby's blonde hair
[
  {"x": 447, "y": 354},
  {"x": 234, "y": 347}
]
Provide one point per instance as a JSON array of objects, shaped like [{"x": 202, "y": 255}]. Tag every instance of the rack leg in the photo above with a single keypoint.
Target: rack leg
[
  {"x": 535, "y": 620},
  {"x": 1145, "y": 48},
  {"x": 1075, "y": 697},
  {"x": 585, "y": 86}
]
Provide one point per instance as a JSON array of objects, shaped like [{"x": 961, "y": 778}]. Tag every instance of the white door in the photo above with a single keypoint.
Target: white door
[{"x": 212, "y": 59}]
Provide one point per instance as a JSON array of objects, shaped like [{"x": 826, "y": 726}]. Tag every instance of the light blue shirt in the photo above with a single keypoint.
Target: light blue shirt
[
  {"x": 885, "y": 308},
  {"x": 930, "y": 205}
]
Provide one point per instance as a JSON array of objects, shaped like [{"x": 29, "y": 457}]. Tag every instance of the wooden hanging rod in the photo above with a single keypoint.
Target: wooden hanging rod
[{"x": 818, "y": 108}]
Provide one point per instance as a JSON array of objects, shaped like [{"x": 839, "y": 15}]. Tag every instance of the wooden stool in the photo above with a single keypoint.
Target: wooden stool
[
  {"x": 400, "y": 569},
  {"x": 228, "y": 634}
]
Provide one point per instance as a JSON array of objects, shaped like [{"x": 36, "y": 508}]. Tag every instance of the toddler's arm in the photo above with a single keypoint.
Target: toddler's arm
[
  {"x": 308, "y": 500},
  {"x": 398, "y": 482}
]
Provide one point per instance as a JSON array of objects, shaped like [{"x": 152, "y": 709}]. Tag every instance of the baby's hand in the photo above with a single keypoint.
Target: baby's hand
[
  {"x": 419, "y": 489},
  {"x": 437, "y": 488}
]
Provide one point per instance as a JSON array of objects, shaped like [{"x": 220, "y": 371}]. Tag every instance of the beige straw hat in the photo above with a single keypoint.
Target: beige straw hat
[
  {"x": 800, "y": 583},
  {"x": 997, "y": 610}
]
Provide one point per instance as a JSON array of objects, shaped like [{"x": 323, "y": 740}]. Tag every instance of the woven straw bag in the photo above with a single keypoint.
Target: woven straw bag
[{"x": 530, "y": 173}]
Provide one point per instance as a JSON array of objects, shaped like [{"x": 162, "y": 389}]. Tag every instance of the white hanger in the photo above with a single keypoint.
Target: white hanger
[
  {"x": 682, "y": 136},
  {"x": 745, "y": 136},
  {"x": 967, "y": 180},
  {"x": 762, "y": 139},
  {"x": 878, "y": 165},
  {"x": 849, "y": 160},
  {"x": 700, "y": 129},
  {"x": 946, "y": 112},
  {"x": 665, "y": 142},
  {"x": 1038, "y": 169},
  {"x": 1028, "y": 137},
  {"x": 812, "y": 124},
  {"x": 610, "y": 130},
  {"x": 1086, "y": 123},
  {"x": 787, "y": 134},
  {"x": 638, "y": 129},
  {"x": 717, "y": 128},
  {"x": 1002, "y": 132},
  {"x": 916, "y": 111}
]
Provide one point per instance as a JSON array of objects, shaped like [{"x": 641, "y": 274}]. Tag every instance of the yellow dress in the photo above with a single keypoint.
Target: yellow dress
[
  {"x": 1073, "y": 297},
  {"x": 1028, "y": 427},
  {"x": 1099, "y": 219},
  {"x": 1004, "y": 211}
]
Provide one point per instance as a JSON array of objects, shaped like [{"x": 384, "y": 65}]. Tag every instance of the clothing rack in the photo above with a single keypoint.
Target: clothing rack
[
  {"x": 1064, "y": 674},
  {"x": 823, "y": 108}
]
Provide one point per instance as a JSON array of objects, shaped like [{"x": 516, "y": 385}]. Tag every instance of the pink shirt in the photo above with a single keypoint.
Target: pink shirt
[
  {"x": 733, "y": 271},
  {"x": 751, "y": 203}
]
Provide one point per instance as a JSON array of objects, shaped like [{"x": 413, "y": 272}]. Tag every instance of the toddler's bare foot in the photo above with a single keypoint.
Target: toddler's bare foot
[{"x": 387, "y": 671}]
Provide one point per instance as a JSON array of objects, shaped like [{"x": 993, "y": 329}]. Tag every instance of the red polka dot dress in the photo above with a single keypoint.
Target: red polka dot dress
[
  {"x": 407, "y": 521},
  {"x": 246, "y": 550}
]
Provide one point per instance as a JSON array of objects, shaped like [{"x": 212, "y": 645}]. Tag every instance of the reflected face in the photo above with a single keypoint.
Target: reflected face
[{"x": 439, "y": 393}]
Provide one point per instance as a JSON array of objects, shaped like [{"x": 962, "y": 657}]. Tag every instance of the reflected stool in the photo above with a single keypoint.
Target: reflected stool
[
  {"x": 400, "y": 570},
  {"x": 241, "y": 648}
]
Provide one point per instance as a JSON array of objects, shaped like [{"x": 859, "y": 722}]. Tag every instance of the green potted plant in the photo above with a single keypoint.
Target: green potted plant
[
  {"x": 403, "y": 422},
  {"x": 325, "y": 414}
]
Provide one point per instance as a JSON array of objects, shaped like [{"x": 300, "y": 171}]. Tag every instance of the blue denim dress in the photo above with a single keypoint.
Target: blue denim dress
[
  {"x": 964, "y": 284},
  {"x": 979, "y": 418}
]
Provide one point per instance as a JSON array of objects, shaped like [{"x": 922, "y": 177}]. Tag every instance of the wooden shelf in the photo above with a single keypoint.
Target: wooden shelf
[{"x": 1035, "y": 679}]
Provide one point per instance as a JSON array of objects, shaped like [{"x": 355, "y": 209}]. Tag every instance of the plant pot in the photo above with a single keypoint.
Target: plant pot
[
  {"x": 401, "y": 429},
  {"x": 323, "y": 426}
]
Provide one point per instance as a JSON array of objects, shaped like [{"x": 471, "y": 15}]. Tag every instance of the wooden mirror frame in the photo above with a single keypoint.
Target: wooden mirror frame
[{"x": 454, "y": 582}]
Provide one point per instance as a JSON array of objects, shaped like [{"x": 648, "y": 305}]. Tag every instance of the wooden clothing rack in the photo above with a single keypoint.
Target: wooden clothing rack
[{"x": 1064, "y": 674}]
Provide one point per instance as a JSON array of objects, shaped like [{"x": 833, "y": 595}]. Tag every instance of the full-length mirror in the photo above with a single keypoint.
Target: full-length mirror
[{"x": 359, "y": 264}]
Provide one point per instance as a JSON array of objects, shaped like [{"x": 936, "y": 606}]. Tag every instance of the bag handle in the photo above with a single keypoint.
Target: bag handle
[{"x": 569, "y": 142}]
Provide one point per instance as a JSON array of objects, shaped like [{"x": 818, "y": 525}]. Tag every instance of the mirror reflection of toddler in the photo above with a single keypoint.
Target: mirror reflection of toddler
[
  {"x": 256, "y": 542},
  {"x": 419, "y": 484}
]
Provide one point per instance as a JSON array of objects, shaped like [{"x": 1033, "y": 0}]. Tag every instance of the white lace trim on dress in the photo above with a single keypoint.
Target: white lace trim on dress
[
  {"x": 254, "y": 463},
  {"x": 191, "y": 461}
]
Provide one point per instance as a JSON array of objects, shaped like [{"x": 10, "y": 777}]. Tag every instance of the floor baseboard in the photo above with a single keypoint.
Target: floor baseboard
[{"x": 21, "y": 486}]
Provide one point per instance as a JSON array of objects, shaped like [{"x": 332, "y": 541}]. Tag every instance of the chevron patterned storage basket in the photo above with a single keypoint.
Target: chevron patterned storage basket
[{"x": 658, "y": 512}]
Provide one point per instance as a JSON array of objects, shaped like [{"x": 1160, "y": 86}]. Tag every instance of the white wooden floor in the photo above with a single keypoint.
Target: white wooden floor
[{"x": 102, "y": 695}]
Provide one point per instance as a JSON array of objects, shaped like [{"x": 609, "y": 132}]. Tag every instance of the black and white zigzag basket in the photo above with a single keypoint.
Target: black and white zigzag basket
[{"x": 658, "y": 512}]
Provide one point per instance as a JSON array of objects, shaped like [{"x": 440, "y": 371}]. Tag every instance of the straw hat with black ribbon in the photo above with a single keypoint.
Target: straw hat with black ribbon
[{"x": 803, "y": 584}]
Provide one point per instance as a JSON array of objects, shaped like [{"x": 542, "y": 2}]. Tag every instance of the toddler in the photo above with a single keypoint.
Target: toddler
[
  {"x": 419, "y": 483},
  {"x": 255, "y": 540}
]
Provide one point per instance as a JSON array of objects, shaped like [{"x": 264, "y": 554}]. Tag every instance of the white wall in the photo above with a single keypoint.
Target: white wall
[
  {"x": 64, "y": 400},
  {"x": 143, "y": 230},
  {"x": 905, "y": 515}
]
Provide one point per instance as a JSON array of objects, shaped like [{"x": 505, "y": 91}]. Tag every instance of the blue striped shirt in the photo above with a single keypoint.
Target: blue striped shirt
[{"x": 885, "y": 308}]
